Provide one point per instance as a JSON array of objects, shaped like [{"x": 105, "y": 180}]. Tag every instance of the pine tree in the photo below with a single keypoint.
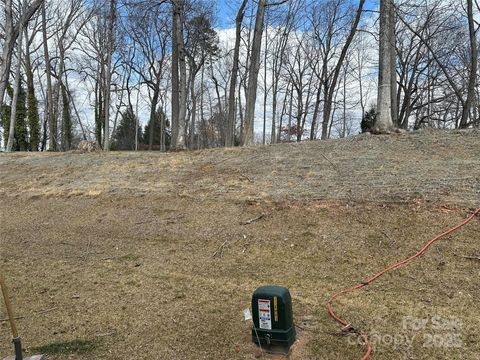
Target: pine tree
[
  {"x": 159, "y": 115},
  {"x": 368, "y": 120},
  {"x": 124, "y": 136}
]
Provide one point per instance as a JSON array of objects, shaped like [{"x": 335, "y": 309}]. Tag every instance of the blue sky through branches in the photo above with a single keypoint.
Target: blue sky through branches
[{"x": 227, "y": 9}]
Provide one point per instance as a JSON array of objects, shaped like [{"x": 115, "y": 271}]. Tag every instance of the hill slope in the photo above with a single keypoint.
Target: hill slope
[{"x": 149, "y": 255}]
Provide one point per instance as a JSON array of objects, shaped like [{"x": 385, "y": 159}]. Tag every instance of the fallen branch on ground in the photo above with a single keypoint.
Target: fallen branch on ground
[
  {"x": 15, "y": 318},
  {"x": 220, "y": 249},
  {"x": 470, "y": 257},
  {"x": 252, "y": 220}
]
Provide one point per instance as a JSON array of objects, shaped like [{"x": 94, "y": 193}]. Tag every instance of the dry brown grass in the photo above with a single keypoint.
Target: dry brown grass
[{"x": 110, "y": 256}]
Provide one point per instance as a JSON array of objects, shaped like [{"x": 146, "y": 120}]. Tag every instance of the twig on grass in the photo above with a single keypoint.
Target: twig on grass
[
  {"x": 470, "y": 257},
  {"x": 110, "y": 333},
  {"x": 36, "y": 312},
  {"x": 246, "y": 178},
  {"x": 330, "y": 161},
  {"x": 15, "y": 318},
  {"x": 87, "y": 250},
  {"x": 252, "y": 220},
  {"x": 46, "y": 310},
  {"x": 220, "y": 249}
]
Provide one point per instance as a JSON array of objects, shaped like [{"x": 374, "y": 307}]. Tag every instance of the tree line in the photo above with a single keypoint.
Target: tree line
[{"x": 162, "y": 74}]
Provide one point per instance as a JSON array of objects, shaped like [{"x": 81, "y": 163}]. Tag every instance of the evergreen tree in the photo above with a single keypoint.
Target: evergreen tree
[
  {"x": 159, "y": 115},
  {"x": 124, "y": 136},
  {"x": 368, "y": 120}
]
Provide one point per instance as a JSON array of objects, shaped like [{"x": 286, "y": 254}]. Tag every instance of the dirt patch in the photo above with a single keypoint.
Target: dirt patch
[{"x": 115, "y": 252}]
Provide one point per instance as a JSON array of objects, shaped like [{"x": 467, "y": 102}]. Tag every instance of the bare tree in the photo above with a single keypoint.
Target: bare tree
[
  {"x": 230, "y": 129},
  {"x": 247, "y": 135},
  {"x": 179, "y": 77},
  {"x": 384, "y": 121},
  {"x": 12, "y": 31},
  {"x": 16, "y": 88},
  {"x": 147, "y": 28},
  {"x": 108, "y": 74},
  {"x": 333, "y": 26}
]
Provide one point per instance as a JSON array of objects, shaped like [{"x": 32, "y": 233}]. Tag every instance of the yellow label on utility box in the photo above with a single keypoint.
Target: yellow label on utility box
[{"x": 275, "y": 309}]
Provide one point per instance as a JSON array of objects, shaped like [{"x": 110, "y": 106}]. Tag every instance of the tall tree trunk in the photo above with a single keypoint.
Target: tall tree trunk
[
  {"x": 248, "y": 128},
  {"x": 265, "y": 92},
  {"x": 290, "y": 110},
  {"x": 32, "y": 104},
  {"x": 202, "y": 116},
  {"x": 153, "y": 109},
  {"x": 8, "y": 46},
  {"x": 16, "y": 90},
  {"x": 284, "y": 110},
  {"x": 52, "y": 126},
  {"x": 67, "y": 120},
  {"x": 175, "y": 78},
  {"x": 473, "y": 66},
  {"x": 193, "y": 97},
  {"x": 108, "y": 75},
  {"x": 57, "y": 93},
  {"x": 98, "y": 107},
  {"x": 393, "y": 64},
  {"x": 230, "y": 133},
  {"x": 316, "y": 110},
  {"x": 181, "y": 141},
  {"x": 179, "y": 78},
  {"x": 384, "y": 121}
]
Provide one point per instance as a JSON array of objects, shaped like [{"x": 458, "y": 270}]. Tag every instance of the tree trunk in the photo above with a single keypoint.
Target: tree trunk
[
  {"x": 67, "y": 120},
  {"x": 248, "y": 128},
  {"x": 316, "y": 110},
  {"x": 52, "y": 126},
  {"x": 175, "y": 79},
  {"x": 108, "y": 74},
  {"x": 265, "y": 92},
  {"x": 153, "y": 109},
  {"x": 393, "y": 64},
  {"x": 384, "y": 121},
  {"x": 16, "y": 89},
  {"x": 32, "y": 104},
  {"x": 181, "y": 141},
  {"x": 193, "y": 97},
  {"x": 179, "y": 78},
  {"x": 57, "y": 92},
  {"x": 230, "y": 131},
  {"x": 473, "y": 66},
  {"x": 8, "y": 45}
]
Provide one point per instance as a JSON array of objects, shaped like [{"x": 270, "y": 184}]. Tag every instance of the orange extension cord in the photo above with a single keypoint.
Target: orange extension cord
[{"x": 346, "y": 325}]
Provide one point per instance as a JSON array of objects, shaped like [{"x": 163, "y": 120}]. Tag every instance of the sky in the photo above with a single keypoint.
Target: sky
[{"x": 227, "y": 9}]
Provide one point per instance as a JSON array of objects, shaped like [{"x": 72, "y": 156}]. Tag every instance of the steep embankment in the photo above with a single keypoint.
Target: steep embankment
[{"x": 430, "y": 165}]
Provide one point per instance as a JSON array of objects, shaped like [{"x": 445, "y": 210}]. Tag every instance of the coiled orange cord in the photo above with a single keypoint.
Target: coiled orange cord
[{"x": 345, "y": 324}]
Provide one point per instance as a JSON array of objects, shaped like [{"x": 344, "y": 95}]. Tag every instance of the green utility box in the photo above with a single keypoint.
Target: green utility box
[{"x": 273, "y": 318}]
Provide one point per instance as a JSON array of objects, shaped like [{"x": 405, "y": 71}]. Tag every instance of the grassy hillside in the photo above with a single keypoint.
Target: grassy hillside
[{"x": 151, "y": 256}]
